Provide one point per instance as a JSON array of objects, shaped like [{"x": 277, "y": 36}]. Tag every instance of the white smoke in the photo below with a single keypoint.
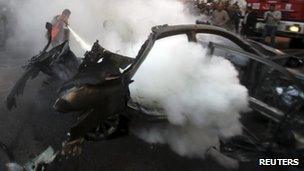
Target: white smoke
[
  {"x": 120, "y": 25},
  {"x": 201, "y": 97}
]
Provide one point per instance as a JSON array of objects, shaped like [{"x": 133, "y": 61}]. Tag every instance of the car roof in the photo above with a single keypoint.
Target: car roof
[{"x": 162, "y": 31}]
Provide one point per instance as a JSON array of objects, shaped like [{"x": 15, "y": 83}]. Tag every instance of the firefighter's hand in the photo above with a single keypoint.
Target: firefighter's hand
[{"x": 66, "y": 23}]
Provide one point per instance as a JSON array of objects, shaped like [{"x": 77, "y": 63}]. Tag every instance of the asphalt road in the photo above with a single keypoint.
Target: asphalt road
[{"x": 34, "y": 126}]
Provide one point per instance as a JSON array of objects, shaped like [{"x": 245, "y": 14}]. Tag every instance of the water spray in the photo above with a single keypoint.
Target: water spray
[{"x": 82, "y": 43}]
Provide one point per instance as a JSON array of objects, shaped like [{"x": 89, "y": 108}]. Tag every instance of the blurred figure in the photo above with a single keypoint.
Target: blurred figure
[
  {"x": 206, "y": 13},
  {"x": 249, "y": 22},
  {"x": 220, "y": 16},
  {"x": 209, "y": 9},
  {"x": 201, "y": 7},
  {"x": 235, "y": 14},
  {"x": 226, "y": 4},
  {"x": 60, "y": 31},
  {"x": 272, "y": 19},
  {"x": 236, "y": 17}
]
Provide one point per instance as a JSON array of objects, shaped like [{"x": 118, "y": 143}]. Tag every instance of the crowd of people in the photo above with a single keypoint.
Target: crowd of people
[
  {"x": 222, "y": 14},
  {"x": 232, "y": 17}
]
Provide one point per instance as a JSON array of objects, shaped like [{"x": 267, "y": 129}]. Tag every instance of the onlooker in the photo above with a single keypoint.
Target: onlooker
[
  {"x": 249, "y": 22},
  {"x": 272, "y": 19},
  {"x": 235, "y": 16},
  {"x": 209, "y": 9},
  {"x": 220, "y": 16},
  {"x": 206, "y": 13}
]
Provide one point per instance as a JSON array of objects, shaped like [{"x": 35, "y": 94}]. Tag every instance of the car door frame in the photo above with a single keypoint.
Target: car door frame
[{"x": 265, "y": 109}]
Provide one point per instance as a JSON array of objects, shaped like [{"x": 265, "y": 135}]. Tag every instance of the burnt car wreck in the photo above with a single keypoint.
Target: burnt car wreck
[
  {"x": 99, "y": 91},
  {"x": 58, "y": 64}
]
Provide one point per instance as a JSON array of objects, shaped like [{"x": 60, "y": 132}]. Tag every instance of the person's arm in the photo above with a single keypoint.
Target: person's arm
[
  {"x": 211, "y": 18},
  {"x": 266, "y": 14},
  {"x": 66, "y": 30},
  {"x": 226, "y": 17},
  {"x": 278, "y": 16},
  {"x": 66, "y": 33},
  {"x": 244, "y": 19},
  {"x": 212, "y": 15}
]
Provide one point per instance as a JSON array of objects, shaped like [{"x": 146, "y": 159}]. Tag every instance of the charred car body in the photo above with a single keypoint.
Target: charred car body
[
  {"x": 58, "y": 64},
  {"x": 275, "y": 91},
  {"x": 100, "y": 92}
]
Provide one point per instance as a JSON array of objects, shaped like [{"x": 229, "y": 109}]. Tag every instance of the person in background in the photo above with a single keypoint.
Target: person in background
[
  {"x": 235, "y": 14},
  {"x": 226, "y": 4},
  {"x": 249, "y": 22},
  {"x": 209, "y": 9},
  {"x": 206, "y": 12},
  {"x": 272, "y": 19},
  {"x": 229, "y": 9},
  {"x": 220, "y": 16},
  {"x": 236, "y": 17},
  {"x": 60, "y": 32}
]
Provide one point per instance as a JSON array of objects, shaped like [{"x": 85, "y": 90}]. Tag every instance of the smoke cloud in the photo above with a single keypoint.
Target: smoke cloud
[
  {"x": 120, "y": 26},
  {"x": 202, "y": 97}
]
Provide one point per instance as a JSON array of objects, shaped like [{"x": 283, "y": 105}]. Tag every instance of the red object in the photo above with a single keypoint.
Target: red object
[
  {"x": 55, "y": 31},
  {"x": 292, "y": 10}
]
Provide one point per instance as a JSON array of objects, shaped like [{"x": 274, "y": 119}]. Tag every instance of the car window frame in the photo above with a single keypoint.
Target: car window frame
[{"x": 264, "y": 108}]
